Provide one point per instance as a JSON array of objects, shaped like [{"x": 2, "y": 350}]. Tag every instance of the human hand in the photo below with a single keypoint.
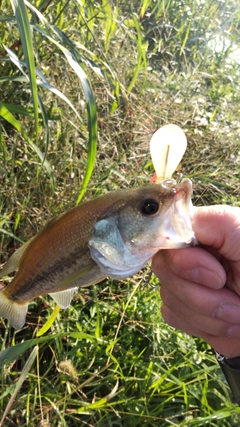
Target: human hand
[{"x": 200, "y": 286}]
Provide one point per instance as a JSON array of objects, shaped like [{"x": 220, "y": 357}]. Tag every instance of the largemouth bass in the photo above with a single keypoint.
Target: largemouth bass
[{"x": 114, "y": 236}]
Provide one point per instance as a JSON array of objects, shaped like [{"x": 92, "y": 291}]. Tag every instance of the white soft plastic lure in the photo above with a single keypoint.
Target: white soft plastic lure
[{"x": 167, "y": 146}]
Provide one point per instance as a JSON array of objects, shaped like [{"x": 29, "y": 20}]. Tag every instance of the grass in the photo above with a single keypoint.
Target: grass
[{"x": 110, "y": 360}]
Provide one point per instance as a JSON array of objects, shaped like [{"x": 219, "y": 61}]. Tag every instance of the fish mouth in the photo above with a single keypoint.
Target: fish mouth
[
  {"x": 177, "y": 224},
  {"x": 183, "y": 212}
]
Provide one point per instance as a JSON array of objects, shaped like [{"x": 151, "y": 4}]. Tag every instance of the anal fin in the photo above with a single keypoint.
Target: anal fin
[{"x": 64, "y": 298}]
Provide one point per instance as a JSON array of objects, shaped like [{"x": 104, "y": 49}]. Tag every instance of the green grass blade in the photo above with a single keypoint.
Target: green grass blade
[
  {"x": 13, "y": 79},
  {"x": 20, "y": 382},
  {"x": 7, "y": 18},
  {"x": 98, "y": 329},
  {"x": 27, "y": 46},
  {"x": 74, "y": 47},
  {"x": 57, "y": 92},
  {"x": 116, "y": 97},
  {"x": 12, "y": 353},
  {"x": 42, "y": 81},
  {"x": 109, "y": 24},
  {"x": 11, "y": 234},
  {"x": 91, "y": 108},
  {"x": 8, "y": 116},
  {"x": 218, "y": 415},
  {"x": 13, "y": 57},
  {"x": 186, "y": 37},
  {"x": 49, "y": 322},
  {"x": 18, "y": 109},
  {"x": 92, "y": 119},
  {"x": 101, "y": 402},
  {"x": 145, "y": 5},
  {"x": 92, "y": 130},
  {"x": 142, "y": 61},
  {"x": 47, "y": 129}
]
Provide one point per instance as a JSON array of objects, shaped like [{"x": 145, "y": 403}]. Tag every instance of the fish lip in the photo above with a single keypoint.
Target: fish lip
[{"x": 183, "y": 212}]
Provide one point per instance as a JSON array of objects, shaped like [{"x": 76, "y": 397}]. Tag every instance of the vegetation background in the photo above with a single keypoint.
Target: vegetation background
[{"x": 110, "y": 360}]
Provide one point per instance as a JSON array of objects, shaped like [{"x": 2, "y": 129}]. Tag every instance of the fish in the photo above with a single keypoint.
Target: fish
[{"x": 113, "y": 235}]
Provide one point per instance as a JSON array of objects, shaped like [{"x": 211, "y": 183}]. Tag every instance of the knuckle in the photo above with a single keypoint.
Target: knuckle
[
  {"x": 165, "y": 295},
  {"x": 168, "y": 316}
]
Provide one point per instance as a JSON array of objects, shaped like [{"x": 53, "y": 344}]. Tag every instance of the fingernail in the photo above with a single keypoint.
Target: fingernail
[
  {"x": 233, "y": 331},
  {"x": 204, "y": 276},
  {"x": 228, "y": 312}
]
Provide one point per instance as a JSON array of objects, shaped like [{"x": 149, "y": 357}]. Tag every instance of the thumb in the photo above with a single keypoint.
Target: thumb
[{"x": 219, "y": 227}]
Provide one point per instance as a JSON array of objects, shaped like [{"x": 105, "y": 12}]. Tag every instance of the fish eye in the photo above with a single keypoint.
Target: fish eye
[{"x": 149, "y": 207}]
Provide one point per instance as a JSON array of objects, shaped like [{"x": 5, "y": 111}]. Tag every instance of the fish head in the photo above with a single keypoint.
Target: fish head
[{"x": 139, "y": 224}]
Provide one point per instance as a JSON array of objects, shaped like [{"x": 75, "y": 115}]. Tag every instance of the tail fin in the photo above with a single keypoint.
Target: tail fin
[{"x": 15, "y": 313}]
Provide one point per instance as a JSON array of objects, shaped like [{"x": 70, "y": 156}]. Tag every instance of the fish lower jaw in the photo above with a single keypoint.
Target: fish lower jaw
[
  {"x": 119, "y": 267},
  {"x": 175, "y": 232},
  {"x": 180, "y": 242}
]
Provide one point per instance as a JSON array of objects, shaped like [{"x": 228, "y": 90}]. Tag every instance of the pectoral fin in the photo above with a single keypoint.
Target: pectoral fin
[
  {"x": 12, "y": 264},
  {"x": 76, "y": 275}
]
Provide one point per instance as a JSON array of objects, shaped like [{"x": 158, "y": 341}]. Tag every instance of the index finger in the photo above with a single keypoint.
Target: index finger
[{"x": 193, "y": 264}]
